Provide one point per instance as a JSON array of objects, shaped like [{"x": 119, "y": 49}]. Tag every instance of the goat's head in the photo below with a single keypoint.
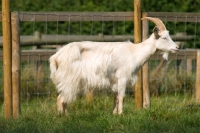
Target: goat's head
[{"x": 163, "y": 40}]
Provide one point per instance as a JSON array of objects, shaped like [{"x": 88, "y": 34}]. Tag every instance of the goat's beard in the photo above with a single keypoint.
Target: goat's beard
[{"x": 165, "y": 55}]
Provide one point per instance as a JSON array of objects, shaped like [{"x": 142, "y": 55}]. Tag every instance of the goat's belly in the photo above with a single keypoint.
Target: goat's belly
[
  {"x": 95, "y": 82},
  {"x": 131, "y": 82}
]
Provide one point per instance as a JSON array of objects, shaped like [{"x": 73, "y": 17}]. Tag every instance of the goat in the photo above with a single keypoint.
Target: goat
[{"x": 86, "y": 66}]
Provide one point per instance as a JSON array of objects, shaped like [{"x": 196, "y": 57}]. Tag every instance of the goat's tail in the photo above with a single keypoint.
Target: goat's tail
[{"x": 53, "y": 66}]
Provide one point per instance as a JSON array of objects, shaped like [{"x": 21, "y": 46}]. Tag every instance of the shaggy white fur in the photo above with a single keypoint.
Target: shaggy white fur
[{"x": 85, "y": 66}]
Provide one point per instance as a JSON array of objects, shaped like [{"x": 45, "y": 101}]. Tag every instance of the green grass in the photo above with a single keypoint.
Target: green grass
[{"x": 96, "y": 117}]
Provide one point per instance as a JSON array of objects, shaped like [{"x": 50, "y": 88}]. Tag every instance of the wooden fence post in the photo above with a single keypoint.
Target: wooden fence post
[
  {"x": 7, "y": 60},
  {"x": 198, "y": 78},
  {"x": 39, "y": 74},
  {"x": 189, "y": 66},
  {"x": 15, "y": 64},
  {"x": 145, "y": 68},
  {"x": 137, "y": 39}
]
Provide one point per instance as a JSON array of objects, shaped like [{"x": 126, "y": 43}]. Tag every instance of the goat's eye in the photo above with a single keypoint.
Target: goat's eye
[{"x": 164, "y": 38}]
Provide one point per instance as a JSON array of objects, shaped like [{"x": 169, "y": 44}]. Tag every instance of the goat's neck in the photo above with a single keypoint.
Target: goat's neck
[{"x": 146, "y": 49}]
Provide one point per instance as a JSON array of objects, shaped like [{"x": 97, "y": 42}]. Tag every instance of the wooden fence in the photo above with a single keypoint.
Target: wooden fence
[
  {"x": 88, "y": 16},
  {"x": 41, "y": 40},
  {"x": 43, "y": 55}
]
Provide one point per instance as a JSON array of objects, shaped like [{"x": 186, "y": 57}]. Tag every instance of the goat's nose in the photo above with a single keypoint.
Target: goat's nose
[{"x": 177, "y": 47}]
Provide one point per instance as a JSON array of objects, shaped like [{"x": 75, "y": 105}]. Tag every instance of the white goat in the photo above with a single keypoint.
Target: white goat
[{"x": 85, "y": 66}]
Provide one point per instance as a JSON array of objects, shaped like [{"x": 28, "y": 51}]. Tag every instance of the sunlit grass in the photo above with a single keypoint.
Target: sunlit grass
[
  {"x": 96, "y": 117},
  {"x": 173, "y": 108}
]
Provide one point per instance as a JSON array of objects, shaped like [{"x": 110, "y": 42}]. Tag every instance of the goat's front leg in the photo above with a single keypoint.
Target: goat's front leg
[
  {"x": 61, "y": 105},
  {"x": 116, "y": 101},
  {"x": 120, "y": 104},
  {"x": 119, "y": 96}
]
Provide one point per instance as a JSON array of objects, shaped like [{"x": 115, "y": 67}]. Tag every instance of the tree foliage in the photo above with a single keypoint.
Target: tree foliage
[
  {"x": 98, "y": 6},
  {"x": 104, "y": 5}
]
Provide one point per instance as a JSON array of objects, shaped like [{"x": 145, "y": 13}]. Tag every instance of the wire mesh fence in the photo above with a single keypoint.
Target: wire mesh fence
[{"x": 43, "y": 33}]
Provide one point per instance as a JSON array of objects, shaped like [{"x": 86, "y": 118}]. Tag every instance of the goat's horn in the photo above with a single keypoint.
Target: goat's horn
[{"x": 157, "y": 21}]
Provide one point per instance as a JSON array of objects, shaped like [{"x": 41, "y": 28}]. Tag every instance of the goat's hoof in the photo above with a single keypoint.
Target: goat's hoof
[
  {"x": 119, "y": 113},
  {"x": 115, "y": 112},
  {"x": 62, "y": 114}
]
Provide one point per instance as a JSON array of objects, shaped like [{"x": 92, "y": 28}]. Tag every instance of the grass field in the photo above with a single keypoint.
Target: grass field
[{"x": 96, "y": 117}]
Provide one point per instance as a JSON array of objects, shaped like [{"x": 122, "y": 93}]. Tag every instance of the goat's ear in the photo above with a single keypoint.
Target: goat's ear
[{"x": 156, "y": 32}]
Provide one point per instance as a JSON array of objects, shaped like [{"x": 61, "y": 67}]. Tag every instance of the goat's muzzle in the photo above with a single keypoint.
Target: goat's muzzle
[{"x": 175, "y": 50}]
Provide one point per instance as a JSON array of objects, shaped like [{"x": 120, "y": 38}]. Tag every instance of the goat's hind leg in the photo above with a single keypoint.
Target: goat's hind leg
[{"x": 61, "y": 105}]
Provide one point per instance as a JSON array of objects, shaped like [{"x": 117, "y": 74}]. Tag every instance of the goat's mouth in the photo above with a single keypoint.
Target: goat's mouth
[{"x": 174, "y": 50}]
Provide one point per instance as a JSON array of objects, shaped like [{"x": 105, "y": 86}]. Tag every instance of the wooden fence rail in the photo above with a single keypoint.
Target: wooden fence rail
[
  {"x": 76, "y": 16},
  {"x": 104, "y": 16},
  {"x": 41, "y": 40},
  {"x": 43, "y": 55}
]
